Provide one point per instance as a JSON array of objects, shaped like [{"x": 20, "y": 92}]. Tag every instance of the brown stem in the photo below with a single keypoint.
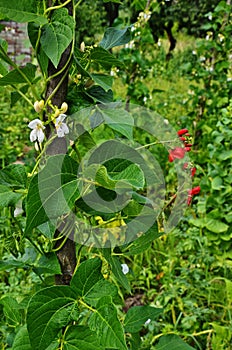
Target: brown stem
[{"x": 66, "y": 252}]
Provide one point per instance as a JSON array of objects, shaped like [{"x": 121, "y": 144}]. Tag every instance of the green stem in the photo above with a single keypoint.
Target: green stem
[
  {"x": 23, "y": 95},
  {"x": 57, "y": 7}
]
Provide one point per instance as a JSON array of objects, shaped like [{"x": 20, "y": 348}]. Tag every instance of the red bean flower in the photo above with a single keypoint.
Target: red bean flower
[
  {"x": 193, "y": 192},
  {"x": 182, "y": 132},
  {"x": 176, "y": 153}
]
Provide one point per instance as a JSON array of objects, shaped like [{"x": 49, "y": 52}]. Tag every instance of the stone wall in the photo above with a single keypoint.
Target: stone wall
[{"x": 18, "y": 43}]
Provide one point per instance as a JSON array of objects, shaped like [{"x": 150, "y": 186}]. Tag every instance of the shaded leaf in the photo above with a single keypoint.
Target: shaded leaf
[
  {"x": 8, "y": 197},
  {"x": 105, "y": 323},
  {"x": 52, "y": 192},
  {"x": 21, "y": 11},
  {"x": 104, "y": 58},
  {"x": 14, "y": 175},
  {"x": 172, "y": 342},
  {"x": 100, "y": 289},
  {"x": 49, "y": 310},
  {"x": 117, "y": 269},
  {"x": 86, "y": 276},
  {"x": 11, "y": 310},
  {"x": 105, "y": 81},
  {"x": 81, "y": 338},
  {"x": 137, "y": 316},
  {"x": 115, "y": 37},
  {"x": 22, "y": 340},
  {"x": 15, "y": 77}
]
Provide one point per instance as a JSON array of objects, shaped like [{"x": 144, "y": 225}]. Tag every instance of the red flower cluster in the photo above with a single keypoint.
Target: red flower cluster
[
  {"x": 179, "y": 153},
  {"x": 192, "y": 193}
]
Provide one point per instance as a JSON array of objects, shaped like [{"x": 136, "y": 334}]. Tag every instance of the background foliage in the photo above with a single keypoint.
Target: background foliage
[{"x": 181, "y": 282}]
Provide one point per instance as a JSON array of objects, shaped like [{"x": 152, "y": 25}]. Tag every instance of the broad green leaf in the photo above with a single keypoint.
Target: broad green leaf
[
  {"x": 52, "y": 192},
  {"x": 21, "y": 11},
  {"x": 225, "y": 155},
  {"x": 217, "y": 183},
  {"x": 19, "y": 76},
  {"x": 47, "y": 229},
  {"x": 49, "y": 310},
  {"x": 48, "y": 263},
  {"x": 81, "y": 338},
  {"x": 100, "y": 289},
  {"x": 117, "y": 269},
  {"x": 120, "y": 121},
  {"x": 78, "y": 58},
  {"x": 104, "y": 58},
  {"x": 115, "y": 37},
  {"x": 14, "y": 175},
  {"x": 57, "y": 35},
  {"x": 98, "y": 94},
  {"x": 172, "y": 342},
  {"x": 142, "y": 243},
  {"x": 86, "y": 276},
  {"x": 22, "y": 340},
  {"x": 137, "y": 316},
  {"x": 132, "y": 175},
  {"x": 16, "y": 96},
  {"x": 105, "y": 81},
  {"x": 11, "y": 310},
  {"x": 8, "y": 197},
  {"x": 216, "y": 226},
  {"x": 105, "y": 323},
  {"x": 11, "y": 264}
]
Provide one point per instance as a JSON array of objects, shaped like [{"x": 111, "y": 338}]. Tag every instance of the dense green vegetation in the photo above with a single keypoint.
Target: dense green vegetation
[{"x": 185, "y": 276}]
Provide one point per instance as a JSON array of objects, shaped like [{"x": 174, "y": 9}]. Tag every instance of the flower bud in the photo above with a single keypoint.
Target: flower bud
[
  {"x": 64, "y": 107},
  {"x": 38, "y": 106},
  {"x": 82, "y": 46}
]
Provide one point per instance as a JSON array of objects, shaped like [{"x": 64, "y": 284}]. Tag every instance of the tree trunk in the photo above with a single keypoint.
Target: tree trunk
[{"x": 66, "y": 254}]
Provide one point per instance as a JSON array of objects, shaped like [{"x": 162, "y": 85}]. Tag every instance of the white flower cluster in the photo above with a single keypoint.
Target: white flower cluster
[{"x": 37, "y": 133}]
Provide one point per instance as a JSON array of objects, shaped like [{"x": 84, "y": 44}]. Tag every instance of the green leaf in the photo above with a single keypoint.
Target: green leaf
[
  {"x": 48, "y": 263},
  {"x": 33, "y": 33},
  {"x": 225, "y": 155},
  {"x": 19, "y": 76},
  {"x": 217, "y": 183},
  {"x": 16, "y": 96},
  {"x": 49, "y": 310},
  {"x": 104, "y": 58},
  {"x": 142, "y": 243},
  {"x": 52, "y": 192},
  {"x": 105, "y": 323},
  {"x": 100, "y": 289},
  {"x": 98, "y": 94},
  {"x": 81, "y": 338},
  {"x": 22, "y": 340},
  {"x": 105, "y": 81},
  {"x": 115, "y": 37},
  {"x": 172, "y": 342},
  {"x": 216, "y": 226},
  {"x": 21, "y": 11},
  {"x": 137, "y": 315},
  {"x": 57, "y": 35},
  {"x": 117, "y": 269},
  {"x": 8, "y": 197},
  {"x": 11, "y": 264},
  {"x": 120, "y": 121},
  {"x": 86, "y": 276},
  {"x": 11, "y": 310},
  {"x": 14, "y": 175}
]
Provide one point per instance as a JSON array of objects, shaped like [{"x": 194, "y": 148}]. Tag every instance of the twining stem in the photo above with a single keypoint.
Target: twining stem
[{"x": 57, "y": 7}]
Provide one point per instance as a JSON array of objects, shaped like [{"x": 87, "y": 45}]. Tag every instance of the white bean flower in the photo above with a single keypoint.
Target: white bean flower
[
  {"x": 61, "y": 127},
  {"x": 125, "y": 268},
  {"x": 37, "y": 130}
]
